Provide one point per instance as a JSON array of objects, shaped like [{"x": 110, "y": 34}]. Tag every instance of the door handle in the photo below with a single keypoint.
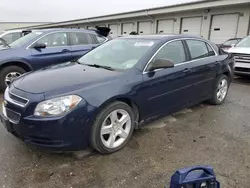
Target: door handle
[
  {"x": 65, "y": 51},
  {"x": 186, "y": 70}
]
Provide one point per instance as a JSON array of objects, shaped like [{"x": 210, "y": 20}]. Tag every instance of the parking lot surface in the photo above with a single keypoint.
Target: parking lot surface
[{"x": 204, "y": 134}]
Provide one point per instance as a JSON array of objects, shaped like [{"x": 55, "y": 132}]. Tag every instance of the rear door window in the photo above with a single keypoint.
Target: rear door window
[
  {"x": 210, "y": 50},
  {"x": 80, "y": 38},
  {"x": 199, "y": 49}
]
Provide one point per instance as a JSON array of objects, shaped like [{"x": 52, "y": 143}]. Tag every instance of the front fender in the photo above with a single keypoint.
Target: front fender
[
  {"x": 124, "y": 88},
  {"x": 23, "y": 61},
  {"x": 107, "y": 96},
  {"x": 227, "y": 67}
]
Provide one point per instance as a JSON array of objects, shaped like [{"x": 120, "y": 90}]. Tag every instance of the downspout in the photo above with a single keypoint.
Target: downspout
[
  {"x": 152, "y": 21},
  {"x": 151, "y": 18}
]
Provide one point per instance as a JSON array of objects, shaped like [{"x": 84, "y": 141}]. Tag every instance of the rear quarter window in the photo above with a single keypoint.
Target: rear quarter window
[
  {"x": 81, "y": 38},
  {"x": 99, "y": 39}
]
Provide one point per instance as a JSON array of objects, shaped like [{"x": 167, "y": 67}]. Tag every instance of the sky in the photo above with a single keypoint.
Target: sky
[{"x": 61, "y": 10}]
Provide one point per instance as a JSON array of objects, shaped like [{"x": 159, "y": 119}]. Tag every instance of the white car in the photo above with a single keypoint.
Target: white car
[
  {"x": 241, "y": 52},
  {"x": 12, "y": 35}
]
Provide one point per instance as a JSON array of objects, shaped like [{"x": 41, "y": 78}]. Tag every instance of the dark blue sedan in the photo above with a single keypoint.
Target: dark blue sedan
[
  {"x": 99, "y": 100},
  {"x": 42, "y": 48}
]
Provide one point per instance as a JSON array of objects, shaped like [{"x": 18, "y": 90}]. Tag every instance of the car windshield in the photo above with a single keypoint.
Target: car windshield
[
  {"x": 24, "y": 40},
  {"x": 118, "y": 54},
  {"x": 230, "y": 42},
  {"x": 244, "y": 42}
]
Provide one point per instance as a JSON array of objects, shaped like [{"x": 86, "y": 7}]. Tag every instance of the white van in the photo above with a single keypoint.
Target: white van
[{"x": 12, "y": 35}]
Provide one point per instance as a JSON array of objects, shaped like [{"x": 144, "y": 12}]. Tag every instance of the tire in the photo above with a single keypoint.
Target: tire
[
  {"x": 215, "y": 100},
  {"x": 7, "y": 70},
  {"x": 98, "y": 141}
]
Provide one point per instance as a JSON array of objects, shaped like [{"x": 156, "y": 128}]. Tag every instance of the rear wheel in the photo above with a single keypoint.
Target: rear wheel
[
  {"x": 112, "y": 128},
  {"x": 8, "y": 75},
  {"x": 220, "y": 91}
]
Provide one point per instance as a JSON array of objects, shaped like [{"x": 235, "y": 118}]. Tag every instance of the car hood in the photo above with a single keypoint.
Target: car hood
[
  {"x": 7, "y": 53},
  {"x": 64, "y": 78},
  {"x": 5, "y": 49},
  {"x": 239, "y": 50}
]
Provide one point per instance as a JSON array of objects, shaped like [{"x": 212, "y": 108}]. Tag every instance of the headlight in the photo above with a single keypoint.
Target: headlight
[{"x": 57, "y": 106}]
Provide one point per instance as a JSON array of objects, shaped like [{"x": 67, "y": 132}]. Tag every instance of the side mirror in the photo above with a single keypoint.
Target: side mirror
[
  {"x": 161, "y": 64},
  {"x": 39, "y": 45}
]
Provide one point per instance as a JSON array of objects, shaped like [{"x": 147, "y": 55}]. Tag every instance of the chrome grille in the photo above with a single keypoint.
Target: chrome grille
[
  {"x": 18, "y": 99},
  {"x": 15, "y": 99},
  {"x": 242, "y": 58}
]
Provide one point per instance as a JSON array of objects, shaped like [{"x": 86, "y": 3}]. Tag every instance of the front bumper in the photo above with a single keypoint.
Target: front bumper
[
  {"x": 69, "y": 132},
  {"x": 242, "y": 64},
  {"x": 242, "y": 70}
]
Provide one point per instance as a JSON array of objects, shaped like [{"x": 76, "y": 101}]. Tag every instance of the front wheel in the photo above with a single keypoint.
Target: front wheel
[
  {"x": 8, "y": 75},
  {"x": 220, "y": 91},
  {"x": 112, "y": 128}
]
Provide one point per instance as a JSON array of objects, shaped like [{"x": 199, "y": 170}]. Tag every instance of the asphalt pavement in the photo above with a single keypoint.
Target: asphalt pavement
[{"x": 204, "y": 134}]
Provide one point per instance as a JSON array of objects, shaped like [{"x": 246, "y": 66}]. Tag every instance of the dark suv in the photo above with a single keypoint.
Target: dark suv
[{"x": 42, "y": 48}]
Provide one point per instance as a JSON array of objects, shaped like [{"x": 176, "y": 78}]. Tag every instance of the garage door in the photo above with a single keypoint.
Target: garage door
[
  {"x": 224, "y": 27},
  {"x": 144, "y": 28},
  {"x": 165, "y": 27},
  {"x": 114, "y": 30},
  {"x": 127, "y": 28},
  {"x": 191, "y": 25}
]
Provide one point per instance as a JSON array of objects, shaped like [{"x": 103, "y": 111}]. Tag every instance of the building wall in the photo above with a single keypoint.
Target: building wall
[
  {"x": 243, "y": 23},
  {"x": 16, "y": 25}
]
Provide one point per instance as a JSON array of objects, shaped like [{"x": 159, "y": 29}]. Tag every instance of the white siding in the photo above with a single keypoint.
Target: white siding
[
  {"x": 144, "y": 28},
  {"x": 224, "y": 27},
  {"x": 196, "y": 19},
  {"x": 191, "y": 26},
  {"x": 15, "y": 25},
  {"x": 165, "y": 27}
]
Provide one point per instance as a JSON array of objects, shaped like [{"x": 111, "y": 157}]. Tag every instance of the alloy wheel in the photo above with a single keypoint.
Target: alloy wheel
[
  {"x": 222, "y": 90},
  {"x": 115, "y": 128},
  {"x": 10, "y": 77}
]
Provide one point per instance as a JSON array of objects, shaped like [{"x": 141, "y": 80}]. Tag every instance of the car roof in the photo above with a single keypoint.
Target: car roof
[
  {"x": 65, "y": 29},
  {"x": 13, "y": 31},
  {"x": 161, "y": 37}
]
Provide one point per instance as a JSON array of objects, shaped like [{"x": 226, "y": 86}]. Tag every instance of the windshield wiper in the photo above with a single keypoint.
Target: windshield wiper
[{"x": 100, "y": 66}]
